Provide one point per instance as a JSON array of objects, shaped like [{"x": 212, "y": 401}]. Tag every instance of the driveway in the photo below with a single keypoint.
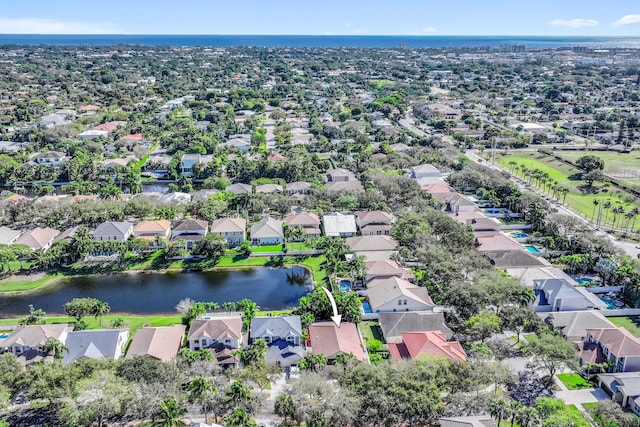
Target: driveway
[{"x": 578, "y": 397}]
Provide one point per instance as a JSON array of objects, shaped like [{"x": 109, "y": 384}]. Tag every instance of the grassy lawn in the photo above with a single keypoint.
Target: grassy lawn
[
  {"x": 574, "y": 381},
  {"x": 614, "y": 162},
  {"x": 25, "y": 283},
  {"x": 267, "y": 248},
  {"x": 370, "y": 330},
  {"x": 630, "y": 323},
  {"x": 565, "y": 176}
]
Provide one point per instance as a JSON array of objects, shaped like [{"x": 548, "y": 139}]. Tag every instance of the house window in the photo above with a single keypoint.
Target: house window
[
  {"x": 404, "y": 302},
  {"x": 399, "y": 302}
]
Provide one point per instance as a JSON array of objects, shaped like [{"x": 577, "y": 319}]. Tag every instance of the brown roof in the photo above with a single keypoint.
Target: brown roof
[
  {"x": 229, "y": 225},
  {"x": 159, "y": 226},
  {"x": 376, "y": 217},
  {"x": 219, "y": 329},
  {"x": 35, "y": 335},
  {"x": 161, "y": 343},
  {"x": 191, "y": 225},
  {"x": 372, "y": 243},
  {"x": 619, "y": 341},
  {"x": 388, "y": 268},
  {"x": 305, "y": 219},
  {"x": 38, "y": 238},
  {"x": 427, "y": 343},
  {"x": 496, "y": 242},
  {"x": 328, "y": 339}
]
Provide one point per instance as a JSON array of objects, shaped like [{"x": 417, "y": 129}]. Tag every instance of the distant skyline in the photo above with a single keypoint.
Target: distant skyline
[{"x": 326, "y": 17}]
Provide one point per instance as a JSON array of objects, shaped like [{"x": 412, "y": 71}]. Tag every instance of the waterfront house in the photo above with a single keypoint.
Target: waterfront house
[
  {"x": 38, "y": 238},
  {"x": 189, "y": 160},
  {"x": 394, "y": 324},
  {"x": 283, "y": 337},
  {"x": 427, "y": 343},
  {"x": 268, "y": 188},
  {"x": 372, "y": 223},
  {"x": 267, "y": 231},
  {"x": 152, "y": 230},
  {"x": 100, "y": 344},
  {"x": 373, "y": 248},
  {"x": 233, "y": 230},
  {"x": 615, "y": 346},
  {"x": 385, "y": 269},
  {"x": 329, "y": 339},
  {"x": 560, "y": 295},
  {"x": 190, "y": 231},
  {"x": 113, "y": 230},
  {"x": 54, "y": 158},
  {"x": 395, "y": 294},
  {"x": 309, "y": 222},
  {"x": 160, "y": 343},
  {"x": 204, "y": 333},
  {"x": 28, "y": 341},
  {"x": 338, "y": 224}
]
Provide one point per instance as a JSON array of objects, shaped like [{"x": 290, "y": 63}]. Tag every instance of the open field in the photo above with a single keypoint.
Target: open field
[
  {"x": 566, "y": 176},
  {"x": 620, "y": 165}
]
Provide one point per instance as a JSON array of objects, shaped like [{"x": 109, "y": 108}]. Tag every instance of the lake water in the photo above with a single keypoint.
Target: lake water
[{"x": 149, "y": 293}]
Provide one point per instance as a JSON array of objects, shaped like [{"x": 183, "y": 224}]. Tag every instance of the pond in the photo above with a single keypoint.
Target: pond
[{"x": 157, "y": 293}]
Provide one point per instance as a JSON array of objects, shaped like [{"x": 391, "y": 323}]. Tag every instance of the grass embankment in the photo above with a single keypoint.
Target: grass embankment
[
  {"x": 630, "y": 323},
  {"x": 568, "y": 177},
  {"x": 574, "y": 381},
  {"x": 27, "y": 282}
]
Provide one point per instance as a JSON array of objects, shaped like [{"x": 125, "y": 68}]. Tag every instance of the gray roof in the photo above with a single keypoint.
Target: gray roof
[
  {"x": 101, "y": 344},
  {"x": 627, "y": 383},
  {"x": 560, "y": 288},
  {"x": 7, "y": 235},
  {"x": 394, "y": 324},
  {"x": 35, "y": 335},
  {"x": 387, "y": 290},
  {"x": 281, "y": 327},
  {"x": 284, "y": 352},
  {"x": 510, "y": 259},
  {"x": 298, "y": 186},
  {"x": 239, "y": 188},
  {"x": 468, "y": 421},
  {"x": 112, "y": 228},
  {"x": 574, "y": 324},
  {"x": 267, "y": 227}
]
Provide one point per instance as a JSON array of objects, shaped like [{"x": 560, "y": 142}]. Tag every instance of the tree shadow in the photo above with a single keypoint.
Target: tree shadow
[{"x": 588, "y": 189}]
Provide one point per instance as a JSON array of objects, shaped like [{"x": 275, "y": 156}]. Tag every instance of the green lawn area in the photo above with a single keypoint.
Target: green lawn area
[
  {"x": 630, "y": 323},
  {"x": 576, "y": 199},
  {"x": 574, "y": 381},
  {"x": 614, "y": 162},
  {"x": 267, "y": 248},
  {"x": 370, "y": 330},
  {"x": 25, "y": 283}
]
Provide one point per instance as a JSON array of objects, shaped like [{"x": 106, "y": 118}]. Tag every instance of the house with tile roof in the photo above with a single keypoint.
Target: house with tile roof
[
  {"x": 267, "y": 231},
  {"x": 342, "y": 180},
  {"x": 152, "y": 230},
  {"x": 203, "y": 333},
  {"x": 113, "y": 230},
  {"x": 328, "y": 339},
  {"x": 239, "y": 188},
  {"x": 429, "y": 344},
  {"x": 268, "y": 188},
  {"x": 617, "y": 346},
  {"x": 459, "y": 203},
  {"x": 32, "y": 338},
  {"x": 8, "y": 236},
  {"x": 233, "y": 230},
  {"x": 374, "y": 223},
  {"x": 395, "y": 294},
  {"x": 100, "y": 344},
  {"x": 394, "y": 324},
  {"x": 309, "y": 222},
  {"x": 385, "y": 269},
  {"x": 574, "y": 324},
  {"x": 190, "y": 231},
  {"x": 623, "y": 388},
  {"x": 38, "y": 238},
  {"x": 373, "y": 248},
  {"x": 161, "y": 343}
]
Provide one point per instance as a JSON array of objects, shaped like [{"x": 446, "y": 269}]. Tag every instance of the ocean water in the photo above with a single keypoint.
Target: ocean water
[{"x": 321, "y": 41}]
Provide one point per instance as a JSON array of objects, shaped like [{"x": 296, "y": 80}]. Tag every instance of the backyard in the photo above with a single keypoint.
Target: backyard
[{"x": 630, "y": 323}]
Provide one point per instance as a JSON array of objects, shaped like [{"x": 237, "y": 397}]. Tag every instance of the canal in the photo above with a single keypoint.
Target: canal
[{"x": 158, "y": 293}]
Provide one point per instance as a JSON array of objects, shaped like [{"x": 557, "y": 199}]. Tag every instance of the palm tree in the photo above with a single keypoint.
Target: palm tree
[
  {"x": 54, "y": 346},
  {"x": 514, "y": 411},
  {"x": 633, "y": 213},
  {"x": 170, "y": 412},
  {"x": 239, "y": 418},
  {"x": 512, "y": 164},
  {"x": 100, "y": 309},
  {"x": 616, "y": 211},
  {"x": 201, "y": 390},
  {"x": 118, "y": 322},
  {"x": 595, "y": 204},
  {"x": 498, "y": 409},
  {"x": 606, "y": 205},
  {"x": 81, "y": 243},
  {"x": 237, "y": 393}
]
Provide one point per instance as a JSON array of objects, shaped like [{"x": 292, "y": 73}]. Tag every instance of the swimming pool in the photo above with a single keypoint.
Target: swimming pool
[
  {"x": 519, "y": 235},
  {"x": 612, "y": 303},
  {"x": 366, "y": 307},
  {"x": 584, "y": 281},
  {"x": 3, "y": 336},
  {"x": 532, "y": 249},
  {"x": 345, "y": 285}
]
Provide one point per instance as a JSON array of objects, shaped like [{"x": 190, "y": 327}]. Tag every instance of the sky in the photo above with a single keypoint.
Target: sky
[{"x": 323, "y": 17}]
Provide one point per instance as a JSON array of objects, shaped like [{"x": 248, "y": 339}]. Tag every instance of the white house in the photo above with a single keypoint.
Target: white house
[
  {"x": 204, "y": 333},
  {"x": 267, "y": 231},
  {"x": 34, "y": 337},
  {"x": 113, "y": 230},
  {"x": 100, "y": 344},
  {"x": 233, "y": 230},
  {"x": 337, "y": 224},
  {"x": 560, "y": 295}
]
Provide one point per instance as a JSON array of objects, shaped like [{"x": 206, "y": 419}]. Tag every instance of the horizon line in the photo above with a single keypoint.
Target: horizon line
[{"x": 313, "y": 35}]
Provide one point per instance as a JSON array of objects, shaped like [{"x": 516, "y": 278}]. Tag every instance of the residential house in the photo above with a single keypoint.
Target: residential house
[
  {"x": 372, "y": 223},
  {"x": 373, "y": 248},
  {"x": 53, "y": 120},
  {"x": 560, "y": 295},
  {"x": 189, "y": 160},
  {"x": 395, "y": 294},
  {"x": 100, "y": 344},
  {"x": 268, "y": 188},
  {"x": 615, "y": 346},
  {"x": 113, "y": 230},
  {"x": 29, "y": 340},
  {"x": 8, "y": 236},
  {"x": 239, "y": 188},
  {"x": 337, "y": 224},
  {"x": 574, "y": 324},
  {"x": 267, "y": 231},
  {"x": 233, "y": 230},
  {"x": 53, "y": 158},
  {"x": 309, "y": 222},
  {"x": 298, "y": 187},
  {"x": 161, "y": 343},
  {"x": 236, "y": 143},
  {"x": 153, "y": 230},
  {"x": 342, "y": 180},
  {"x": 203, "y": 333},
  {"x": 623, "y": 387},
  {"x": 468, "y": 421},
  {"x": 427, "y": 343},
  {"x": 191, "y": 231},
  {"x": 438, "y": 190},
  {"x": 331, "y": 340},
  {"x": 90, "y": 134},
  {"x": 385, "y": 269},
  {"x": 38, "y": 238},
  {"x": 425, "y": 171},
  {"x": 394, "y": 324},
  {"x": 283, "y": 337},
  {"x": 509, "y": 259}
]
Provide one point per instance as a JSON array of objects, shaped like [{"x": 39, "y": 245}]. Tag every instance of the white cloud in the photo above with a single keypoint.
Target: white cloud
[
  {"x": 574, "y": 23},
  {"x": 429, "y": 30},
  {"x": 51, "y": 26},
  {"x": 626, "y": 20}
]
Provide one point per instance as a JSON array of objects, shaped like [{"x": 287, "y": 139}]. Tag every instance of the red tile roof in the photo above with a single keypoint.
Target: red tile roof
[
  {"x": 428, "y": 343},
  {"x": 328, "y": 339}
]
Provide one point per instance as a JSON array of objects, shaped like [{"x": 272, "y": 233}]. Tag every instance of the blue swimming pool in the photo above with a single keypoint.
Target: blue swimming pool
[
  {"x": 612, "y": 303},
  {"x": 584, "y": 281},
  {"x": 532, "y": 249},
  {"x": 3, "y": 336},
  {"x": 366, "y": 307},
  {"x": 345, "y": 285},
  {"x": 519, "y": 235}
]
